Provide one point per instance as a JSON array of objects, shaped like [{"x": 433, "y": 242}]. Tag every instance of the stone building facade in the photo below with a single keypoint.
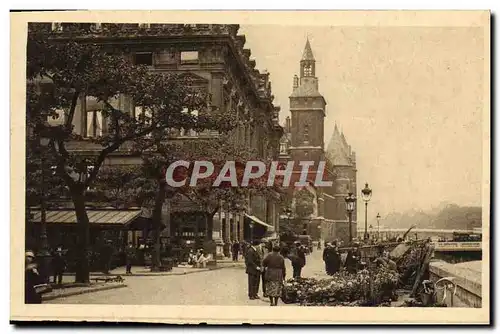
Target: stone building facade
[
  {"x": 303, "y": 140},
  {"x": 213, "y": 56}
]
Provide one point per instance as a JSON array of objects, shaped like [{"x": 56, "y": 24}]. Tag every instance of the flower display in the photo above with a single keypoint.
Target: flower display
[
  {"x": 363, "y": 288},
  {"x": 409, "y": 263}
]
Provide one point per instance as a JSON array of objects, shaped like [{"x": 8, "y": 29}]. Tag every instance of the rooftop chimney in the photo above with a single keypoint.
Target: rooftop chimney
[
  {"x": 295, "y": 81},
  {"x": 287, "y": 124}
]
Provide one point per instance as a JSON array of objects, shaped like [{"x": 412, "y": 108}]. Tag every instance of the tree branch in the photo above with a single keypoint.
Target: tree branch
[
  {"x": 61, "y": 162},
  {"x": 72, "y": 109},
  {"x": 215, "y": 211},
  {"x": 113, "y": 119},
  {"x": 100, "y": 159}
]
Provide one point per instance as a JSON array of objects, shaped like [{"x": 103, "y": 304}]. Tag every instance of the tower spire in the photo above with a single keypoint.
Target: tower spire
[
  {"x": 307, "y": 54},
  {"x": 307, "y": 63}
]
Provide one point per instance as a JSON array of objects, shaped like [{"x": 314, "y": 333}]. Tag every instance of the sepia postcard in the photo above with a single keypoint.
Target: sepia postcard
[{"x": 262, "y": 167}]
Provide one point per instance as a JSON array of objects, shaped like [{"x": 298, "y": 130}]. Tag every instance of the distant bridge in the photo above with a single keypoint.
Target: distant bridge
[
  {"x": 385, "y": 233},
  {"x": 452, "y": 246}
]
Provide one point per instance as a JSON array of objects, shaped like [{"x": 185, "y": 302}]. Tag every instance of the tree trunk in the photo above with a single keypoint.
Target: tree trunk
[
  {"x": 82, "y": 255},
  {"x": 157, "y": 224}
]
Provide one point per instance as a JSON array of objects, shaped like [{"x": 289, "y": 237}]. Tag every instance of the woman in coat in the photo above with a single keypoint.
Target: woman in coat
[
  {"x": 274, "y": 263},
  {"x": 31, "y": 280}
]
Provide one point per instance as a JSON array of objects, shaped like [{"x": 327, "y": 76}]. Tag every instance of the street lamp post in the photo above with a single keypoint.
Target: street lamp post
[
  {"x": 378, "y": 226},
  {"x": 350, "y": 202},
  {"x": 288, "y": 213},
  {"x": 43, "y": 252},
  {"x": 367, "y": 195}
]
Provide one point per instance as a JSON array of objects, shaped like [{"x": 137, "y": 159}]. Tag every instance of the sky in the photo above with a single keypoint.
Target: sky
[{"x": 408, "y": 99}]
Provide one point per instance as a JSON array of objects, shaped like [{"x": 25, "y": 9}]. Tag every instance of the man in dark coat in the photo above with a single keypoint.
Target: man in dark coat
[
  {"x": 301, "y": 253},
  {"x": 31, "y": 279},
  {"x": 253, "y": 262},
  {"x": 58, "y": 265},
  {"x": 235, "y": 250},
  {"x": 297, "y": 257},
  {"x": 129, "y": 257},
  {"x": 326, "y": 255},
  {"x": 352, "y": 260},
  {"x": 335, "y": 261}
]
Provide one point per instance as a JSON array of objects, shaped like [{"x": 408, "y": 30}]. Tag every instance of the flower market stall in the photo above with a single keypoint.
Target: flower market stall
[{"x": 375, "y": 285}]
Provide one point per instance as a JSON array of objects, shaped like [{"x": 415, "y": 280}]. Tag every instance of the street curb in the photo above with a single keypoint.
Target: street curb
[
  {"x": 163, "y": 274},
  {"x": 82, "y": 292},
  {"x": 174, "y": 274}
]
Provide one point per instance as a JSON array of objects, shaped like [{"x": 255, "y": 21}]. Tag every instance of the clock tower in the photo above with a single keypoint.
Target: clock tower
[{"x": 307, "y": 108}]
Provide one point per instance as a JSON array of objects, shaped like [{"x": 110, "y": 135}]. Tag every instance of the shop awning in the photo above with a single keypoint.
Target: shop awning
[
  {"x": 260, "y": 222},
  {"x": 98, "y": 217}
]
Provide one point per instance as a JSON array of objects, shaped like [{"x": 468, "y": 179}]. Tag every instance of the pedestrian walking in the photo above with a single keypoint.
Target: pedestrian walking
[
  {"x": 235, "y": 250},
  {"x": 297, "y": 260},
  {"x": 253, "y": 270},
  {"x": 263, "y": 250},
  {"x": 129, "y": 257},
  {"x": 31, "y": 280},
  {"x": 58, "y": 265},
  {"x": 275, "y": 270}
]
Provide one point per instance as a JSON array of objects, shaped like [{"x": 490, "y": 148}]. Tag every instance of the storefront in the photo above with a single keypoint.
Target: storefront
[
  {"x": 254, "y": 228},
  {"x": 107, "y": 227}
]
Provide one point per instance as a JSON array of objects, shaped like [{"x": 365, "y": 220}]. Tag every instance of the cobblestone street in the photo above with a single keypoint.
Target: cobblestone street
[{"x": 226, "y": 286}]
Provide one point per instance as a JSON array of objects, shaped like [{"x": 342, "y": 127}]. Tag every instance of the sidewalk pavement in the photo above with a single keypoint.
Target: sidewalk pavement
[
  {"x": 74, "y": 289},
  {"x": 70, "y": 288},
  {"x": 181, "y": 269}
]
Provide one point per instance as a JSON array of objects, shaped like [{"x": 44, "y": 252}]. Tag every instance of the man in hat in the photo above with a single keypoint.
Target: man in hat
[
  {"x": 31, "y": 279},
  {"x": 235, "y": 248},
  {"x": 297, "y": 258},
  {"x": 58, "y": 265},
  {"x": 129, "y": 257},
  {"x": 253, "y": 262}
]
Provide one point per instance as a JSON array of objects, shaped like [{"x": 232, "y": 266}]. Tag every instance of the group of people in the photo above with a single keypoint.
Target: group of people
[
  {"x": 199, "y": 259},
  {"x": 270, "y": 268},
  {"x": 266, "y": 263},
  {"x": 335, "y": 260},
  {"x": 352, "y": 259}
]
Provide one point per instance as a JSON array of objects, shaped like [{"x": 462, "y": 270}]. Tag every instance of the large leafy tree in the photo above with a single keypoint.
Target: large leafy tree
[
  {"x": 217, "y": 150},
  {"x": 227, "y": 196},
  {"x": 62, "y": 70}
]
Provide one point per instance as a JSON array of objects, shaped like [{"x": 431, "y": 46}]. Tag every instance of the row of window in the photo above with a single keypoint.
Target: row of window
[
  {"x": 94, "y": 126},
  {"x": 165, "y": 58},
  {"x": 189, "y": 234},
  {"x": 147, "y": 58}
]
